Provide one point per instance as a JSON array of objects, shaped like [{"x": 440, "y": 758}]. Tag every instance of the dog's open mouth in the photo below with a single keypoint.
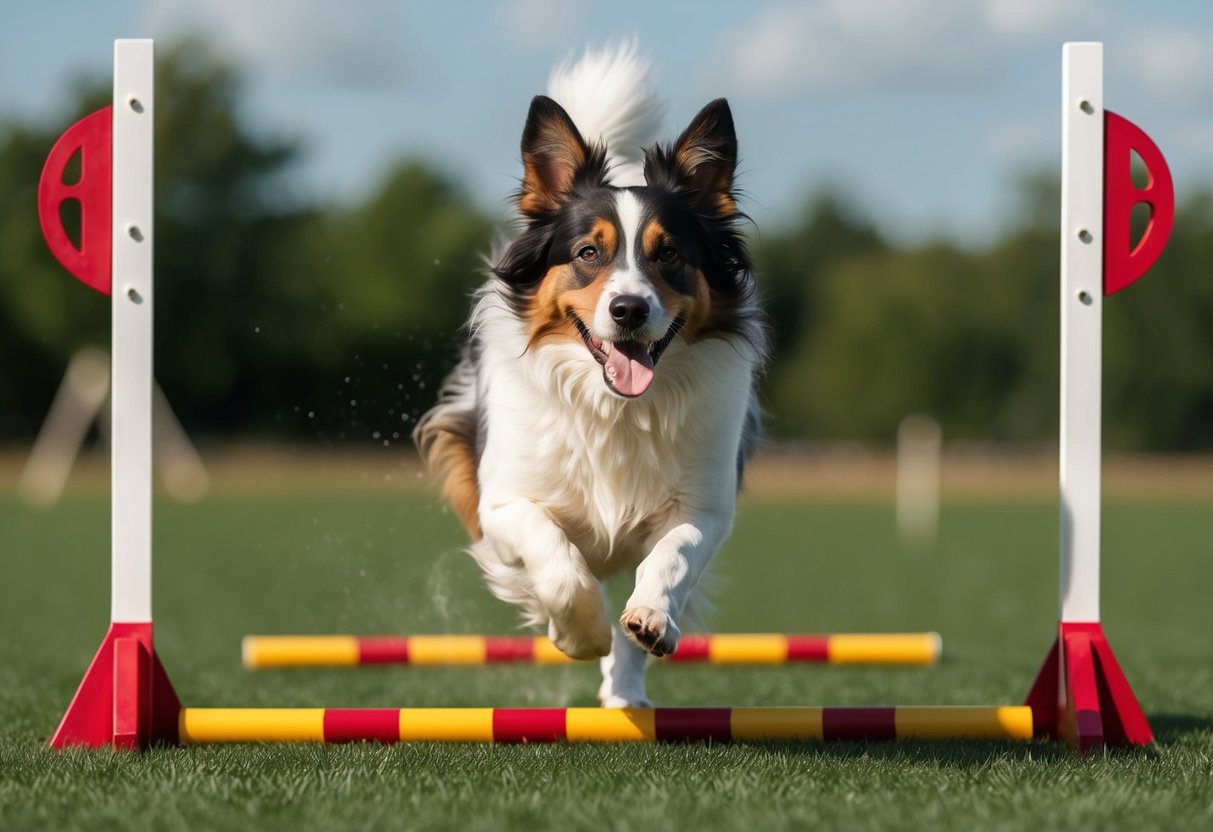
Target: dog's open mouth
[{"x": 627, "y": 366}]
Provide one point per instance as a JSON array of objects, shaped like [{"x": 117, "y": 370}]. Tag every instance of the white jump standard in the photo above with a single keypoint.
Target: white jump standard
[
  {"x": 1081, "y": 694},
  {"x": 126, "y": 700}
]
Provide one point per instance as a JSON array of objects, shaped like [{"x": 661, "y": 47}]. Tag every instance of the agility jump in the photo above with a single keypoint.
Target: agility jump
[
  {"x": 126, "y": 700},
  {"x": 390, "y": 725},
  {"x": 262, "y": 652}
]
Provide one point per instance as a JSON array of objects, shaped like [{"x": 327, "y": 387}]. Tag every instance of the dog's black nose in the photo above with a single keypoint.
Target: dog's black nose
[{"x": 629, "y": 311}]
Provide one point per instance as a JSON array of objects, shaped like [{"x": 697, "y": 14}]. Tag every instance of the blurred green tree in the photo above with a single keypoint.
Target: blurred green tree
[
  {"x": 395, "y": 277},
  {"x": 284, "y": 318},
  {"x": 1158, "y": 344},
  {"x": 265, "y": 304}
]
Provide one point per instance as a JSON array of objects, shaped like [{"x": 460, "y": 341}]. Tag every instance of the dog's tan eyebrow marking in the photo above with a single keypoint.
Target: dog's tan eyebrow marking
[
  {"x": 605, "y": 235},
  {"x": 654, "y": 235}
]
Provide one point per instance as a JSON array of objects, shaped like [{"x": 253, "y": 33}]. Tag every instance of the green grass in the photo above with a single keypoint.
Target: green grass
[{"x": 226, "y": 568}]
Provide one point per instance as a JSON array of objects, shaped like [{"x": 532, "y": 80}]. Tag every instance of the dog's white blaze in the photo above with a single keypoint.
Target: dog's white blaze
[
  {"x": 627, "y": 206},
  {"x": 628, "y": 278}
]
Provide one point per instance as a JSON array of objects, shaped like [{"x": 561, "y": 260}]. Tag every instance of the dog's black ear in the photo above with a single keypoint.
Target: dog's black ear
[
  {"x": 702, "y": 161},
  {"x": 553, "y": 153}
]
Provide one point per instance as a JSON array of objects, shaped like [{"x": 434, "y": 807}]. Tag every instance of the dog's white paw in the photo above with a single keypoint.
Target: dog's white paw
[
  {"x": 651, "y": 630},
  {"x": 581, "y": 639}
]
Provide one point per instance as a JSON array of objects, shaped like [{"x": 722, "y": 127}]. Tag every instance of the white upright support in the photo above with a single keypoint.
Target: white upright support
[
  {"x": 1082, "y": 186},
  {"x": 919, "y": 445},
  {"x": 131, "y": 448}
]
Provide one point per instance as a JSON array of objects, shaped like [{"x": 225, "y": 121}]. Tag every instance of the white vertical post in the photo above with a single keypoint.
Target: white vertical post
[
  {"x": 131, "y": 446},
  {"x": 919, "y": 444},
  {"x": 1082, "y": 174}
]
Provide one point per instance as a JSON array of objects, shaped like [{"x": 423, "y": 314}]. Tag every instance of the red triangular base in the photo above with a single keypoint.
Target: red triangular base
[
  {"x": 1082, "y": 696},
  {"x": 125, "y": 699}
]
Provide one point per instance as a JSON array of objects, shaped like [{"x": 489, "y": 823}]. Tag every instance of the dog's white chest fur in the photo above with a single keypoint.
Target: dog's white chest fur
[{"x": 612, "y": 472}]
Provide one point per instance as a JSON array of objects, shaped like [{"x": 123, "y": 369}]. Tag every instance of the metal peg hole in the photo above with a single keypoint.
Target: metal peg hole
[
  {"x": 1084, "y": 298},
  {"x": 134, "y": 295},
  {"x": 136, "y": 105},
  {"x": 1086, "y": 107},
  {"x": 135, "y": 233},
  {"x": 1085, "y": 235}
]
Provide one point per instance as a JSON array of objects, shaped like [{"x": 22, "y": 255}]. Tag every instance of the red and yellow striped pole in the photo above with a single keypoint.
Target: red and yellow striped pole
[
  {"x": 750, "y": 648},
  {"x": 513, "y": 725}
]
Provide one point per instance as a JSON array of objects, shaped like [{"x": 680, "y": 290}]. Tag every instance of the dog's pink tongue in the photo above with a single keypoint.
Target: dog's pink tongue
[{"x": 629, "y": 367}]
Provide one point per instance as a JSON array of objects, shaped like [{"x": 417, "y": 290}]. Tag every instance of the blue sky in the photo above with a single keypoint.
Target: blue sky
[{"x": 923, "y": 111}]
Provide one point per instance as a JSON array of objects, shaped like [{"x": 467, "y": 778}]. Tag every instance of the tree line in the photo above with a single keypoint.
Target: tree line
[{"x": 286, "y": 320}]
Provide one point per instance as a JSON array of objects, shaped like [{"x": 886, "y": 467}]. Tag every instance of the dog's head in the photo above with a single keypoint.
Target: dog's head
[{"x": 627, "y": 270}]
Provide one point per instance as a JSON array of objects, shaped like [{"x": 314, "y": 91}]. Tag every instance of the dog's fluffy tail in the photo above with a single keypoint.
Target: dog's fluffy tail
[{"x": 609, "y": 96}]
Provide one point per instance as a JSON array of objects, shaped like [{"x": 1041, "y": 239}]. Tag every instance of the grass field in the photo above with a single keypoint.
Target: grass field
[{"x": 371, "y": 563}]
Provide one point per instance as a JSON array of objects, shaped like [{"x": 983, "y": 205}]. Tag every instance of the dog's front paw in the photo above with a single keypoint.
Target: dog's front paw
[{"x": 650, "y": 629}]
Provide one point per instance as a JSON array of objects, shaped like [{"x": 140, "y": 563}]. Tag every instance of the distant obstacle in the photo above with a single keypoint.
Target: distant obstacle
[
  {"x": 261, "y": 652},
  {"x": 77, "y": 406},
  {"x": 919, "y": 443}
]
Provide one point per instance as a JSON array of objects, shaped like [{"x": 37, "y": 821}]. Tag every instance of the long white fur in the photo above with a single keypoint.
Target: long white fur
[
  {"x": 608, "y": 95},
  {"x": 576, "y": 483}
]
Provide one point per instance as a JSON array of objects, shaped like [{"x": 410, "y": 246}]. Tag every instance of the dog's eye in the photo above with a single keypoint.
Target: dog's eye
[
  {"x": 667, "y": 254},
  {"x": 589, "y": 254}
]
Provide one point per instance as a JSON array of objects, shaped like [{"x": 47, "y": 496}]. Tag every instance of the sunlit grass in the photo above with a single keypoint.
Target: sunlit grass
[{"x": 379, "y": 565}]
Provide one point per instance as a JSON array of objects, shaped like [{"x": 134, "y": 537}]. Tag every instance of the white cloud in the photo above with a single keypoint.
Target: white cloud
[
  {"x": 342, "y": 45},
  {"x": 1173, "y": 65},
  {"x": 855, "y": 45},
  {"x": 544, "y": 23},
  {"x": 1039, "y": 18}
]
